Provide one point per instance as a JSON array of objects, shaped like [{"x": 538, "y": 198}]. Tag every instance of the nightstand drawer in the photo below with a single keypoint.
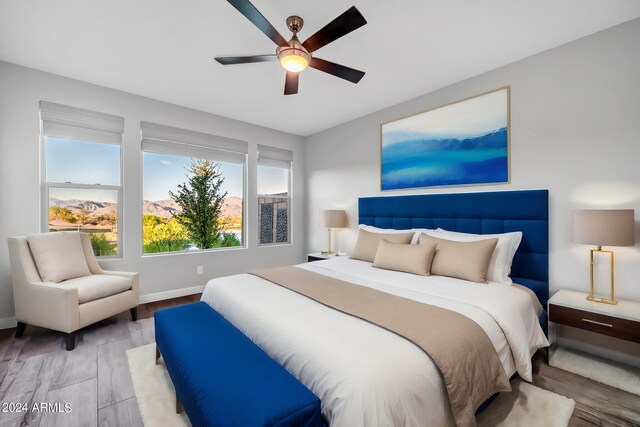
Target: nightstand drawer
[{"x": 600, "y": 323}]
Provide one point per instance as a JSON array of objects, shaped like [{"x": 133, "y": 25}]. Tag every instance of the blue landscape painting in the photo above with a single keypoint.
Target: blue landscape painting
[{"x": 462, "y": 143}]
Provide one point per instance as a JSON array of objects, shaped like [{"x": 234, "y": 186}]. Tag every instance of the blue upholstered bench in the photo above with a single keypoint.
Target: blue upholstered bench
[{"x": 223, "y": 379}]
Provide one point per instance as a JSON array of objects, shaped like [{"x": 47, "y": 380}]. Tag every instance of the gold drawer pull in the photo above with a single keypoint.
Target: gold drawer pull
[{"x": 597, "y": 323}]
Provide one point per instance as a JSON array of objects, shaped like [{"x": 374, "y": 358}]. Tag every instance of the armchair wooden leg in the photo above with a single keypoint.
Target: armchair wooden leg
[
  {"x": 20, "y": 329},
  {"x": 134, "y": 313},
  {"x": 71, "y": 341}
]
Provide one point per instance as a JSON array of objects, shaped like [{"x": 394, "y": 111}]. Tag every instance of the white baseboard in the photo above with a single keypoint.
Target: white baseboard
[
  {"x": 159, "y": 296},
  {"x": 7, "y": 322}
]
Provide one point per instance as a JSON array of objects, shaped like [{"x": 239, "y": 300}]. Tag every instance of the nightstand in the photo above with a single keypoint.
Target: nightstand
[
  {"x": 571, "y": 308},
  {"x": 318, "y": 256}
]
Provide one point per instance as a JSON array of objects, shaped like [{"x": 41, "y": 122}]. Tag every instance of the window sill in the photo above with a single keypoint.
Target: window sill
[
  {"x": 199, "y": 251},
  {"x": 274, "y": 245}
]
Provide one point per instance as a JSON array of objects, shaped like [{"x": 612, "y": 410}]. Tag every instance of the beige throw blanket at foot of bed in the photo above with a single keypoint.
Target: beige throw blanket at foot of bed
[{"x": 460, "y": 348}]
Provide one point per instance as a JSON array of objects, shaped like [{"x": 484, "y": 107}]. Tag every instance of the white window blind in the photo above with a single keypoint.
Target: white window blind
[
  {"x": 63, "y": 121},
  {"x": 163, "y": 139},
  {"x": 274, "y": 157}
]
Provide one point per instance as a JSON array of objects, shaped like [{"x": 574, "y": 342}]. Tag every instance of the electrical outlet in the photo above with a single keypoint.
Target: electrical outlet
[{"x": 200, "y": 270}]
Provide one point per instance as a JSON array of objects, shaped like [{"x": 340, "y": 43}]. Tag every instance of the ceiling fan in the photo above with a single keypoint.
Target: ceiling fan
[{"x": 295, "y": 56}]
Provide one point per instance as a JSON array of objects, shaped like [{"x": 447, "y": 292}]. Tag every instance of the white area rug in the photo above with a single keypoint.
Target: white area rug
[
  {"x": 604, "y": 371},
  {"x": 154, "y": 389},
  {"x": 527, "y": 405}
]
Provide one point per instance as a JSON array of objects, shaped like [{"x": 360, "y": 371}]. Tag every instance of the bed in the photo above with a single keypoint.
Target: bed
[{"x": 366, "y": 375}]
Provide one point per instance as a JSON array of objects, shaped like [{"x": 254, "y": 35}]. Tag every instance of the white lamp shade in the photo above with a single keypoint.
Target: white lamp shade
[
  {"x": 611, "y": 227},
  {"x": 333, "y": 218}
]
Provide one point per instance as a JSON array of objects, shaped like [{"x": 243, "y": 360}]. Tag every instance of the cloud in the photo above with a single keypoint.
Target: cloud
[{"x": 165, "y": 162}]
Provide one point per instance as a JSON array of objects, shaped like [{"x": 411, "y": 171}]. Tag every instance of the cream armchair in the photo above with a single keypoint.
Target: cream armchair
[{"x": 70, "y": 304}]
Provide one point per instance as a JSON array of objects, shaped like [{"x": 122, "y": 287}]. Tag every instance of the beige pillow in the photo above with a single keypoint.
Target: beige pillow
[
  {"x": 463, "y": 260},
  {"x": 409, "y": 258},
  {"x": 367, "y": 244},
  {"x": 58, "y": 256}
]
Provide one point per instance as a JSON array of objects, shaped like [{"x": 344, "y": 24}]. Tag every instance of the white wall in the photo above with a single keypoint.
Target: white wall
[
  {"x": 575, "y": 129},
  {"x": 20, "y": 91}
]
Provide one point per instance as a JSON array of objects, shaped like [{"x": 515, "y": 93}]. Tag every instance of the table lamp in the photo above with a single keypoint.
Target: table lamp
[
  {"x": 612, "y": 227},
  {"x": 332, "y": 219}
]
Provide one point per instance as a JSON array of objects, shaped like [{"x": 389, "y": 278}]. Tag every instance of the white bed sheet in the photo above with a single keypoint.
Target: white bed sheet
[{"x": 364, "y": 374}]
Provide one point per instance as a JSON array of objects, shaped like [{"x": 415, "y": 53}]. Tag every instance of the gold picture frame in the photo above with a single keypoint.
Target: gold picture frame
[{"x": 440, "y": 143}]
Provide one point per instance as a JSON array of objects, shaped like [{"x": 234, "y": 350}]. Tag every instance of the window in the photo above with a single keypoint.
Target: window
[
  {"x": 82, "y": 174},
  {"x": 274, "y": 195},
  {"x": 193, "y": 190}
]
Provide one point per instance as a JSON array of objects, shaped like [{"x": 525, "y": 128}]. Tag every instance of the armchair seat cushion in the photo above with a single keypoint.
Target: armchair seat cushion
[{"x": 97, "y": 286}]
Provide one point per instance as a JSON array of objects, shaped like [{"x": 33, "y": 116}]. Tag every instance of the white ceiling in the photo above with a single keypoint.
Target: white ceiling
[{"x": 164, "y": 49}]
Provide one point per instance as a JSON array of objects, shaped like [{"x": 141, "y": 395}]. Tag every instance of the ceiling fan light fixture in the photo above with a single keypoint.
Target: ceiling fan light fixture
[{"x": 293, "y": 58}]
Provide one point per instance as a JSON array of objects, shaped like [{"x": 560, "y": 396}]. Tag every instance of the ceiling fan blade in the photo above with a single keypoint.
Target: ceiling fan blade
[
  {"x": 252, "y": 14},
  {"x": 291, "y": 83},
  {"x": 231, "y": 60},
  {"x": 349, "y": 21},
  {"x": 337, "y": 70}
]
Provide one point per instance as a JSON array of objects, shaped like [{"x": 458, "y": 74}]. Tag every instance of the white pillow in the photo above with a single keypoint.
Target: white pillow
[
  {"x": 500, "y": 264},
  {"x": 414, "y": 239},
  {"x": 58, "y": 256}
]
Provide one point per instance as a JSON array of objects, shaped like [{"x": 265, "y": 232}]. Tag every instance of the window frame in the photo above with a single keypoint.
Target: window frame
[
  {"x": 289, "y": 205},
  {"x": 181, "y": 139},
  {"x": 47, "y": 185}
]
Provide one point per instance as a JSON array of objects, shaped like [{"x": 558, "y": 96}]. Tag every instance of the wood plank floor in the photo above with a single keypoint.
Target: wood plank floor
[{"x": 95, "y": 377}]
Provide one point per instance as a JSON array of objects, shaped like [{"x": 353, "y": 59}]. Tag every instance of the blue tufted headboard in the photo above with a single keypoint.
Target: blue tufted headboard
[{"x": 480, "y": 213}]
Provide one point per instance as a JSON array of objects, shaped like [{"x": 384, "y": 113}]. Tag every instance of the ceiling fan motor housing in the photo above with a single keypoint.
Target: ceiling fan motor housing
[{"x": 295, "y": 48}]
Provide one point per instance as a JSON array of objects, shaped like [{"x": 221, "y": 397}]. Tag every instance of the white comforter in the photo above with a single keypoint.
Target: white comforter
[{"x": 364, "y": 374}]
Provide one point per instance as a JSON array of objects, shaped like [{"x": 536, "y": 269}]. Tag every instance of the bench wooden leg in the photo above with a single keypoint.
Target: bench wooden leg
[
  {"x": 179, "y": 407},
  {"x": 157, "y": 354}
]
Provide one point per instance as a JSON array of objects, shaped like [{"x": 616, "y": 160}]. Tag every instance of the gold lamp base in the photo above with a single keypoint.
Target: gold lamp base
[
  {"x": 591, "y": 297},
  {"x": 328, "y": 251},
  {"x": 603, "y": 300}
]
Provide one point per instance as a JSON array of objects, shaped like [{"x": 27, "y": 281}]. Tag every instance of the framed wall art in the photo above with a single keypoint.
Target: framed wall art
[{"x": 462, "y": 143}]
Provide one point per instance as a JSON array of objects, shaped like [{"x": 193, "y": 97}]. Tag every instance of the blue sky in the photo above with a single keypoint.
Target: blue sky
[
  {"x": 93, "y": 163},
  {"x": 163, "y": 173},
  {"x": 82, "y": 162}
]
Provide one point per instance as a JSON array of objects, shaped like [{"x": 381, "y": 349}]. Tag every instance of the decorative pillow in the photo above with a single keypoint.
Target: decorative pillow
[
  {"x": 367, "y": 243},
  {"x": 414, "y": 239},
  {"x": 500, "y": 264},
  {"x": 463, "y": 260},
  {"x": 409, "y": 258},
  {"x": 58, "y": 256}
]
